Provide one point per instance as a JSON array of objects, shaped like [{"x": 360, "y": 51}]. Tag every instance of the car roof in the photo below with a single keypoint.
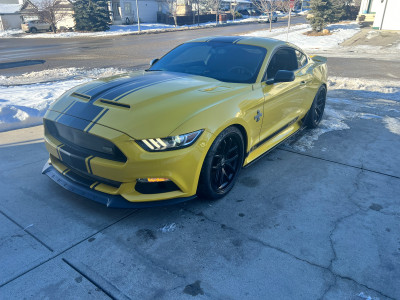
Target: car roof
[{"x": 267, "y": 43}]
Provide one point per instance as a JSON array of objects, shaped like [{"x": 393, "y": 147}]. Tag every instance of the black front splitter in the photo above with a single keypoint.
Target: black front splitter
[{"x": 112, "y": 201}]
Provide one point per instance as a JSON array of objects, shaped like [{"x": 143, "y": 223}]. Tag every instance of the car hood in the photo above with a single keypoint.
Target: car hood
[{"x": 149, "y": 105}]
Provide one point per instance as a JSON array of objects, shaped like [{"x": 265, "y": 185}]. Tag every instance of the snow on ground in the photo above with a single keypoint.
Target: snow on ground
[
  {"x": 117, "y": 30},
  {"x": 10, "y": 33},
  {"x": 353, "y": 98},
  {"x": 24, "y": 105},
  {"x": 57, "y": 75},
  {"x": 392, "y": 124},
  {"x": 340, "y": 33}
]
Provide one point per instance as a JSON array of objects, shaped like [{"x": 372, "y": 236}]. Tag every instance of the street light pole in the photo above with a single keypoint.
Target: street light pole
[{"x": 137, "y": 14}]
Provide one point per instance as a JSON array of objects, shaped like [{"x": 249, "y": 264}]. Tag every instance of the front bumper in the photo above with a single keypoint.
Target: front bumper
[
  {"x": 114, "y": 201},
  {"x": 120, "y": 178}
]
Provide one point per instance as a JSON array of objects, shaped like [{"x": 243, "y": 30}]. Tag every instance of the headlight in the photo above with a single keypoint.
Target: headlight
[{"x": 171, "y": 142}]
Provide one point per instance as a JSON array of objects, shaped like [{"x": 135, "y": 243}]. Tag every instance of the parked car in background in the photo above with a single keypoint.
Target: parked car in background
[
  {"x": 265, "y": 17},
  {"x": 34, "y": 26},
  {"x": 244, "y": 12}
]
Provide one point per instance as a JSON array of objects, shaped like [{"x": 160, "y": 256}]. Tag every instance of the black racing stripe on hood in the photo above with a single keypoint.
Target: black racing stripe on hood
[
  {"x": 133, "y": 85},
  {"x": 152, "y": 82},
  {"x": 91, "y": 113},
  {"x": 73, "y": 122},
  {"x": 93, "y": 92},
  {"x": 85, "y": 110},
  {"x": 97, "y": 119}
]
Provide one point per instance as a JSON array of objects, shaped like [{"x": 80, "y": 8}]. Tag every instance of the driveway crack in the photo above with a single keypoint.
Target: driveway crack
[{"x": 327, "y": 269}]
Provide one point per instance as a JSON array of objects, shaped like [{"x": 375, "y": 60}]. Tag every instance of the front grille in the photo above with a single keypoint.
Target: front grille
[
  {"x": 84, "y": 144},
  {"x": 85, "y": 178}
]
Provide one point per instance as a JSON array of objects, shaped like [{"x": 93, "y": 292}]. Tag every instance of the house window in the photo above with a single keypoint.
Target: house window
[
  {"x": 115, "y": 10},
  {"x": 128, "y": 8}
]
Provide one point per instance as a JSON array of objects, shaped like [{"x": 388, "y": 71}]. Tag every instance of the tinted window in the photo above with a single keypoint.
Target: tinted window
[
  {"x": 283, "y": 59},
  {"x": 222, "y": 61},
  {"x": 301, "y": 59}
]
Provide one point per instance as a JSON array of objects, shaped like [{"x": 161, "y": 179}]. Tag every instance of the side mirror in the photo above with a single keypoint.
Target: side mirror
[
  {"x": 154, "y": 61},
  {"x": 282, "y": 76}
]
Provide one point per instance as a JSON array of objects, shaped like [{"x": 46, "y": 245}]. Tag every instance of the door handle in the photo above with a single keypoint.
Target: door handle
[{"x": 303, "y": 82}]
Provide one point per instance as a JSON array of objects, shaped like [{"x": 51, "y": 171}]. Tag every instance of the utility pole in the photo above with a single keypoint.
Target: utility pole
[
  {"x": 137, "y": 14},
  {"x": 291, "y": 6}
]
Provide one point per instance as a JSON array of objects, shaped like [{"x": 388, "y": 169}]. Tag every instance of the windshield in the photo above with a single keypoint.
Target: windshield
[{"x": 222, "y": 61}]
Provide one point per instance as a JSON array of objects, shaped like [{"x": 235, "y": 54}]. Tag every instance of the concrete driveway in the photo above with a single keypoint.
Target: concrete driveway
[{"x": 318, "y": 218}]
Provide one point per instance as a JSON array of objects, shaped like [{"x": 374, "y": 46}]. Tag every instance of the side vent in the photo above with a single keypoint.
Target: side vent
[
  {"x": 115, "y": 103},
  {"x": 81, "y": 96}
]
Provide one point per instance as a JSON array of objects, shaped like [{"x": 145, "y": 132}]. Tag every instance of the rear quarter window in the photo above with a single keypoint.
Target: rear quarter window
[{"x": 301, "y": 59}]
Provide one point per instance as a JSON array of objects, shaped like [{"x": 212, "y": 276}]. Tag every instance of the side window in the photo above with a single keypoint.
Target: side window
[
  {"x": 301, "y": 59},
  {"x": 283, "y": 59}
]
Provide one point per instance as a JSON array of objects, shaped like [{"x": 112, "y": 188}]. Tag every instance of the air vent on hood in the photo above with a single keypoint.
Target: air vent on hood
[
  {"x": 123, "y": 105},
  {"x": 81, "y": 96}
]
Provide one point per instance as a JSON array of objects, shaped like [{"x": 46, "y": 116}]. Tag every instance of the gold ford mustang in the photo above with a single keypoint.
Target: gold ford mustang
[{"x": 187, "y": 125}]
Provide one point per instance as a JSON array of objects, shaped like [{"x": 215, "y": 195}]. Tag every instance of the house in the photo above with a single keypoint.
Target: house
[
  {"x": 64, "y": 12},
  {"x": 10, "y": 17},
  {"x": 382, "y": 14},
  {"x": 125, "y": 11}
]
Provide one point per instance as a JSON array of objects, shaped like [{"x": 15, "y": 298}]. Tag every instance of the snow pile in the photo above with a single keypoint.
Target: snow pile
[
  {"x": 393, "y": 124},
  {"x": 57, "y": 75},
  {"x": 10, "y": 33},
  {"x": 366, "y": 88},
  {"x": 24, "y": 105},
  {"x": 339, "y": 33}
]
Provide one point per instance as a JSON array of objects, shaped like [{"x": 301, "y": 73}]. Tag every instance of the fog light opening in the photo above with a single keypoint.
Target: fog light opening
[{"x": 145, "y": 180}]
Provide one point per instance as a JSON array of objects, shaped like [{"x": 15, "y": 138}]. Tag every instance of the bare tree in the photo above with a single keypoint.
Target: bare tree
[
  {"x": 172, "y": 9},
  {"x": 51, "y": 11},
  {"x": 213, "y": 5},
  {"x": 284, "y": 5},
  {"x": 196, "y": 4},
  {"x": 267, "y": 7},
  {"x": 233, "y": 8}
]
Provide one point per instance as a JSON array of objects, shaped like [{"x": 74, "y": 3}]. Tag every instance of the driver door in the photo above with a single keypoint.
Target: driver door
[{"x": 282, "y": 100}]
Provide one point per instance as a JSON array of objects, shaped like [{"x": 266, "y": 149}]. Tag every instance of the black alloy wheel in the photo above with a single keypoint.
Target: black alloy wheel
[
  {"x": 316, "y": 112},
  {"x": 222, "y": 164}
]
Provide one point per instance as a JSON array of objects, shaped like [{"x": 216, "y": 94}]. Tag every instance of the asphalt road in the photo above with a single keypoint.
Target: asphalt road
[
  {"x": 18, "y": 55},
  {"x": 21, "y": 55}
]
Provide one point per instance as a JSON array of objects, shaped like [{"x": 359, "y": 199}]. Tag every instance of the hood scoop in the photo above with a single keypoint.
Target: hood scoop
[
  {"x": 113, "y": 103},
  {"x": 81, "y": 96}
]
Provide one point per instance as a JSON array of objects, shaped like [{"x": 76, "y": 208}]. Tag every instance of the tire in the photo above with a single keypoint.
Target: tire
[
  {"x": 316, "y": 112},
  {"x": 222, "y": 164},
  {"x": 33, "y": 30},
  {"x": 127, "y": 21},
  {"x": 276, "y": 20}
]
